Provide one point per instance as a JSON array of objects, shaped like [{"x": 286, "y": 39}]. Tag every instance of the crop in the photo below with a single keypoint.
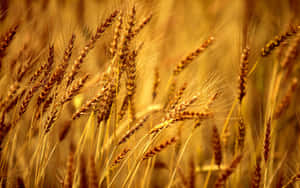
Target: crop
[{"x": 149, "y": 93}]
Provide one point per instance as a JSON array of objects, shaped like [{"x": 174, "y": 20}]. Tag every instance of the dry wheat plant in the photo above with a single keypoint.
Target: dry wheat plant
[{"x": 162, "y": 93}]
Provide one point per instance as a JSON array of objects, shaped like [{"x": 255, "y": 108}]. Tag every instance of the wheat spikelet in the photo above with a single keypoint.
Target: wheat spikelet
[
  {"x": 241, "y": 134},
  {"x": 66, "y": 58},
  {"x": 12, "y": 103},
  {"x": 271, "y": 45},
  {"x": 243, "y": 74},
  {"x": 145, "y": 21},
  {"x": 74, "y": 89},
  {"x": 28, "y": 98},
  {"x": 44, "y": 68},
  {"x": 119, "y": 158},
  {"x": 130, "y": 25},
  {"x": 68, "y": 181},
  {"x": 51, "y": 119},
  {"x": 123, "y": 109},
  {"x": 216, "y": 145},
  {"x": 188, "y": 59},
  {"x": 267, "y": 140},
  {"x": 25, "y": 68},
  {"x": 187, "y": 115},
  {"x": 211, "y": 100},
  {"x": 159, "y": 148},
  {"x": 282, "y": 51},
  {"x": 59, "y": 72},
  {"x": 256, "y": 177},
  {"x": 49, "y": 84},
  {"x": 291, "y": 53},
  {"x": 192, "y": 175},
  {"x": 177, "y": 96},
  {"x": 131, "y": 83},
  {"x": 180, "y": 116},
  {"x": 170, "y": 93},
  {"x": 185, "y": 104},
  {"x": 286, "y": 100},
  {"x": 125, "y": 42},
  {"x": 117, "y": 34},
  {"x": 92, "y": 102},
  {"x": 5, "y": 41},
  {"x": 138, "y": 125},
  {"x": 47, "y": 104},
  {"x": 106, "y": 102},
  {"x": 13, "y": 89},
  {"x": 227, "y": 172},
  {"x": 49, "y": 65},
  {"x": 92, "y": 175},
  {"x": 156, "y": 83},
  {"x": 83, "y": 173},
  {"x": 206, "y": 108},
  {"x": 90, "y": 45},
  {"x": 161, "y": 126},
  {"x": 38, "y": 72}
]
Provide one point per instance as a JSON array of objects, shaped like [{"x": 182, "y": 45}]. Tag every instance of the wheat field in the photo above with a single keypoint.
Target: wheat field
[{"x": 145, "y": 94}]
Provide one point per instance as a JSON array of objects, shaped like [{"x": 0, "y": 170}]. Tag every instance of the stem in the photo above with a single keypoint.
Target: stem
[{"x": 179, "y": 159}]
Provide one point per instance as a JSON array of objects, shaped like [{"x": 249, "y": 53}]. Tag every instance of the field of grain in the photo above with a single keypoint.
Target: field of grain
[{"x": 142, "y": 94}]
